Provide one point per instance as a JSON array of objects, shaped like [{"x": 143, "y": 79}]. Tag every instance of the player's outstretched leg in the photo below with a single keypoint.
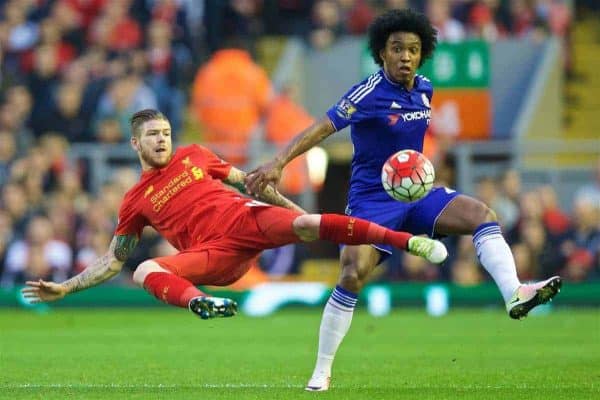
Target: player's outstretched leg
[
  {"x": 432, "y": 250},
  {"x": 355, "y": 231},
  {"x": 528, "y": 296},
  {"x": 207, "y": 307}
]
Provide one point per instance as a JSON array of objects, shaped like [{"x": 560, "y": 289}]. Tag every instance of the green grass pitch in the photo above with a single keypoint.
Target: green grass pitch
[{"x": 166, "y": 353}]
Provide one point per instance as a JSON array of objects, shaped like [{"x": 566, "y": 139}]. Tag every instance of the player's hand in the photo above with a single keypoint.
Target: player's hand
[
  {"x": 258, "y": 179},
  {"x": 41, "y": 291}
]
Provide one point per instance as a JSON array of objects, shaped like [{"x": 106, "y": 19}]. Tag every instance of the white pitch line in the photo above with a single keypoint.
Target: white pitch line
[
  {"x": 147, "y": 386},
  {"x": 275, "y": 386}
]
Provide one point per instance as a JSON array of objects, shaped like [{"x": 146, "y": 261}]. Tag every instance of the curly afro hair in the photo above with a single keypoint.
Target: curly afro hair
[{"x": 401, "y": 21}]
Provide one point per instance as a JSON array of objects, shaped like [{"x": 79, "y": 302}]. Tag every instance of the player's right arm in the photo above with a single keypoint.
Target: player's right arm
[
  {"x": 101, "y": 270},
  {"x": 270, "y": 173}
]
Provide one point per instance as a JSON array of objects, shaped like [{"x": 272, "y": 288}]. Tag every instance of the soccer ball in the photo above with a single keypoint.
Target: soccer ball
[{"x": 407, "y": 175}]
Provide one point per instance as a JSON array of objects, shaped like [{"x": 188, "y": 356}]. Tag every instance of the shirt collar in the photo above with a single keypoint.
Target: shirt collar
[{"x": 391, "y": 82}]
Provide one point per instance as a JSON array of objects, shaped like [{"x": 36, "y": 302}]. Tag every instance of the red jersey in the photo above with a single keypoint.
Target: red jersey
[{"x": 185, "y": 201}]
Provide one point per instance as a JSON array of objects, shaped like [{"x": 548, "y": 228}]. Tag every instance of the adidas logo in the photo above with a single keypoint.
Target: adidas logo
[{"x": 395, "y": 105}]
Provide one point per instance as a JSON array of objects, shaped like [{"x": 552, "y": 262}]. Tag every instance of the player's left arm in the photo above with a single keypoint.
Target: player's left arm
[
  {"x": 102, "y": 269},
  {"x": 269, "y": 194}
]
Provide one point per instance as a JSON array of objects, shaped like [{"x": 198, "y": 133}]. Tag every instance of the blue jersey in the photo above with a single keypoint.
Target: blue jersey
[{"x": 384, "y": 118}]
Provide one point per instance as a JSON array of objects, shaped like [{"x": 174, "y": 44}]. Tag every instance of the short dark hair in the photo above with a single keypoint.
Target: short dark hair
[
  {"x": 138, "y": 119},
  {"x": 401, "y": 21}
]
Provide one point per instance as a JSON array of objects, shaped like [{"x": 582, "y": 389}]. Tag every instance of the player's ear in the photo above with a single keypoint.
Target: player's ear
[{"x": 135, "y": 144}]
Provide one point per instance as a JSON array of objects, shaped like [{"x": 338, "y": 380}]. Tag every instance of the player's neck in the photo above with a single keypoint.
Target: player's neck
[{"x": 409, "y": 85}]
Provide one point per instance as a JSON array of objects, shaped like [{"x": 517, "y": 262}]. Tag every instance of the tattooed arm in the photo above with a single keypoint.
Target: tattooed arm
[
  {"x": 269, "y": 194},
  {"x": 99, "y": 271}
]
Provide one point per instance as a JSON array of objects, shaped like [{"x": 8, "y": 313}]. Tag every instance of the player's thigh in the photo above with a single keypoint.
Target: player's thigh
[
  {"x": 424, "y": 214},
  {"x": 276, "y": 226},
  {"x": 463, "y": 215},
  {"x": 209, "y": 266}
]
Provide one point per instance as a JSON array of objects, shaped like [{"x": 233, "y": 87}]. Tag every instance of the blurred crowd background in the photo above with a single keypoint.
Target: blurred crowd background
[{"x": 73, "y": 71}]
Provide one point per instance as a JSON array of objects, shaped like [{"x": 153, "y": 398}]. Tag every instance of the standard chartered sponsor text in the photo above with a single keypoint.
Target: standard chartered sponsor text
[{"x": 162, "y": 196}]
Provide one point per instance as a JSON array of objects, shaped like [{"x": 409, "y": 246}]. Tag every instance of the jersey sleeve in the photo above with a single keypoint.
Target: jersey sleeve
[
  {"x": 353, "y": 106},
  {"x": 216, "y": 166},
  {"x": 130, "y": 220},
  {"x": 427, "y": 87}
]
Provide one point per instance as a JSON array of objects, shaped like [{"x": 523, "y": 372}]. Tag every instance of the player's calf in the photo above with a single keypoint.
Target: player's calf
[{"x": 207, "y": 307}]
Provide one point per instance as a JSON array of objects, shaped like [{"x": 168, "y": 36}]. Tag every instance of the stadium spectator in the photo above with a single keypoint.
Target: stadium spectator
[
  {"x": 481, "y": 21},
  {"x": 285, "y": 17},
  {"x": 8, "y": 153},
  {"x": 395, "y": 5},
  {"x": 465, "y": 269},
  {"x": 357, "y": 14},
  {"x": 43, "y": 81},
  {"x": 20, "y": 101},
  {"x": 448, "y": 28},
  {"x": 50, "y": 36},
  {"x": 590, "y": 192},
  {"x": 166, "y": 63},
  {"x": 22, "y": 34},
  {"x": 38, "y": 255},
  {"x": 120, "y": 100},
  {"x": 87, "y": 254},
  {"x": 230, "y": 97},
  {"x": 507, "y": 202},
  {"x": 6, "y": 236},
  {"x": 14, "y": 202},
  {"x": 60, "y": 211},
  {"x": 65, "y": 118},
  {"x": 114, "y": 29},
  {"x": 82, "y": 12},
  {"x": 556, "y": 221},
  {"x": 582, "y": 245},
  {"x": 522, "y": 17},
  {"x": 14, "y": 115},
  {"x": 327, "y": 24}
]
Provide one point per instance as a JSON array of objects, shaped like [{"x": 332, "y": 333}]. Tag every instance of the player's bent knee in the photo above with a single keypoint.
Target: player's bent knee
[
  {"x": 145, "y": 268},
  {"x": 479, "y": 213},
  {"x": 490, "y": 215},
  {"x": 306, "y": 226},
  {"x": 354, "y": 275}
]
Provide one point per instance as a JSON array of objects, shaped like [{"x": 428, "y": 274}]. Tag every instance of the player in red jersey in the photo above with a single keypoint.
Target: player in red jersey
[{"x": 217, "y": 230}]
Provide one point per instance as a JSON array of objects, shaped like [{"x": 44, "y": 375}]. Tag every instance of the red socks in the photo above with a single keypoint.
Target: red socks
[
  {"x": 170, "y": 288},
  {"x": 350, "y": 230}
]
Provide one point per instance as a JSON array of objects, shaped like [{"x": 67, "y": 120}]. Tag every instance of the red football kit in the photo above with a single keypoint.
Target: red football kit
[{"x": 217, "y": 231}]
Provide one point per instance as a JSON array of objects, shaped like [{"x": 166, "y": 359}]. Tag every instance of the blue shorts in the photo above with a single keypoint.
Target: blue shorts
[{"x": 418, "y": 217}]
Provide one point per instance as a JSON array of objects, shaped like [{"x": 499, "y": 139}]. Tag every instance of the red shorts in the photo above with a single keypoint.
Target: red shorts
[{"x": 225, "y": 259}]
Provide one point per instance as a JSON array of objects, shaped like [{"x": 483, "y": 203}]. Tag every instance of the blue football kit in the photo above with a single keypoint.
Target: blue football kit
[{"x": 384, "y": 118}]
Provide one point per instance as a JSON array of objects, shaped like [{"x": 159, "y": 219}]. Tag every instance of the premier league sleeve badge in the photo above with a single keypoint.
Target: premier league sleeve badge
[{"x": 345, "y": 109}]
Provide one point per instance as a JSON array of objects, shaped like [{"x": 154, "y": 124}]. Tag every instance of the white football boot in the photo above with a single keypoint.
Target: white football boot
[
  {"x": 528, "y": 296},
  {"x": 318, "y": 383}
]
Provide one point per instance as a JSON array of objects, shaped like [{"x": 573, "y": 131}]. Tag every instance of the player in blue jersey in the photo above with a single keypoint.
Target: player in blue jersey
[{"x": 387, "y": 112}]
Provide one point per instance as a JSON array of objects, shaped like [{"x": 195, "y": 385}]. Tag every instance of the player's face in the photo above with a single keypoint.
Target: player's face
[
  {"x": 154, "y": 143},
  {"x": 401, "y": 57}
]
